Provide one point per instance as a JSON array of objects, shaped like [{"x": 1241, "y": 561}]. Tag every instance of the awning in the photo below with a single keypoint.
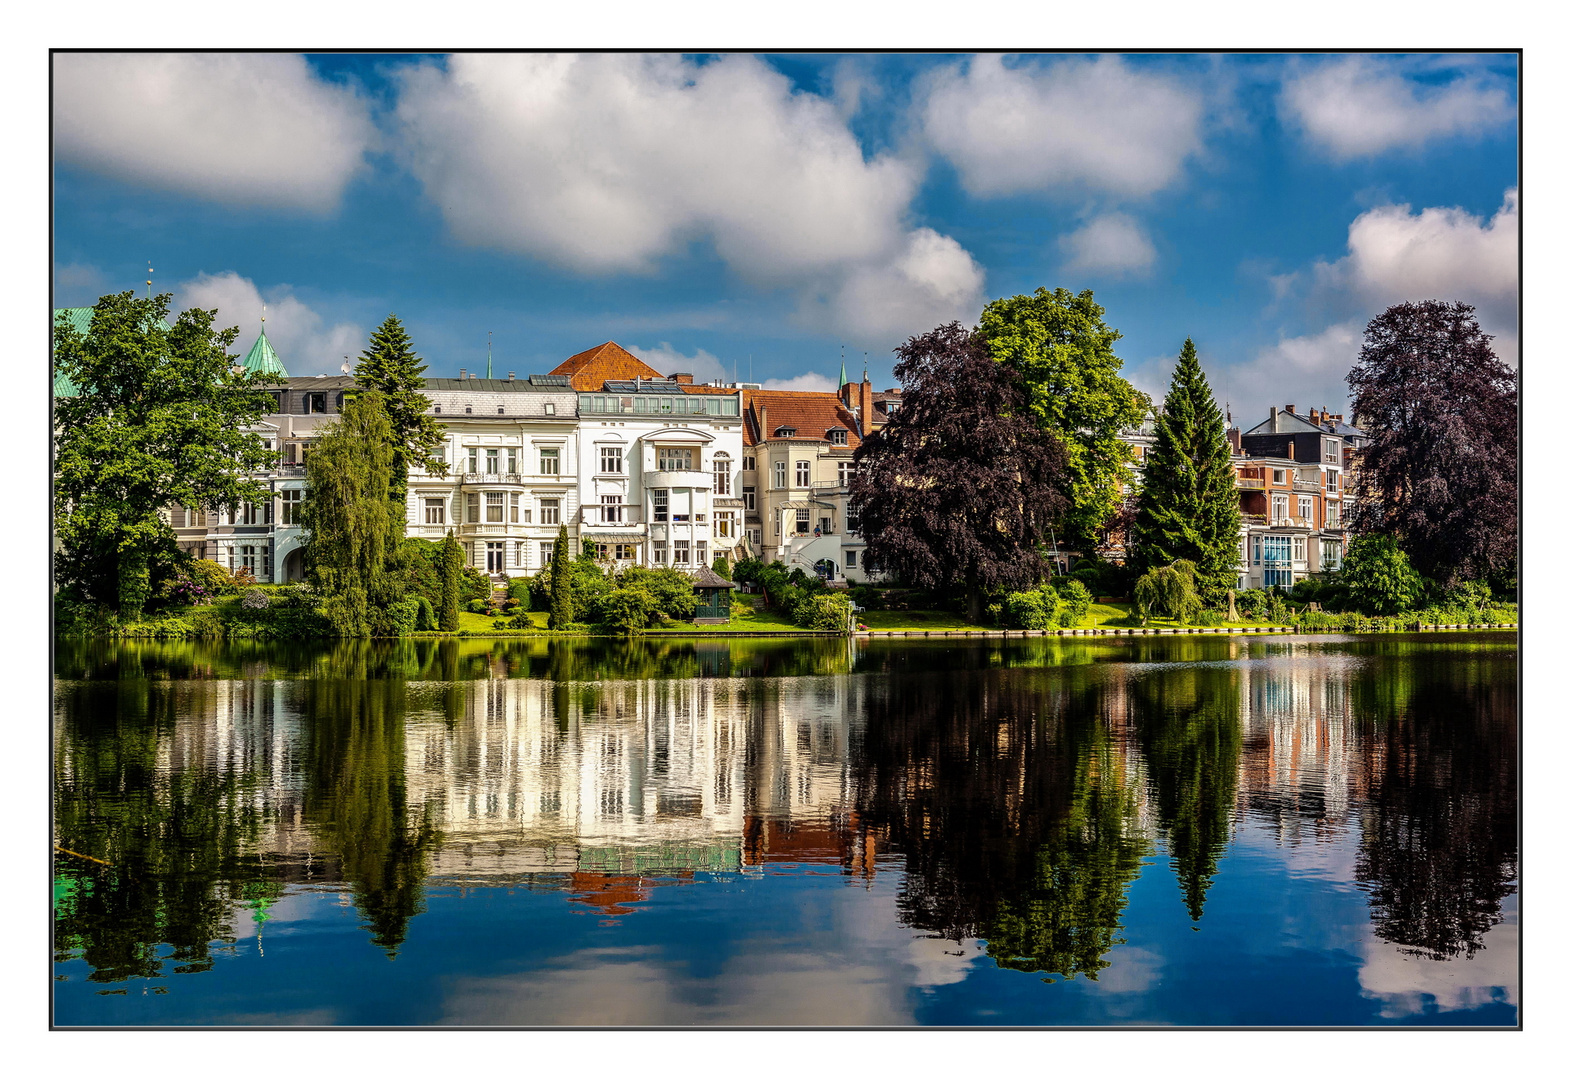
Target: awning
[{"x": 797, "y": 504}]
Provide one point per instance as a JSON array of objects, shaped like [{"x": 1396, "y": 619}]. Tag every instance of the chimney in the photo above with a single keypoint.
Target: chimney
[
  {"x": 463, "y": 373},
  {"x": 509, "y": 376},
  {"x": 473, "y": 376},
  {"x": 1236, "y": 439},
  {"x": 762, "y": 412},
  {"x": 1290, "y": 450},
  {"x": 1314, "y": 416},
  {"x": 1291, "y": 410},
  {"x": 864, "y": 404},
  {"x": 683, "y": 378},
  {"x": 1274, "y": 427}
]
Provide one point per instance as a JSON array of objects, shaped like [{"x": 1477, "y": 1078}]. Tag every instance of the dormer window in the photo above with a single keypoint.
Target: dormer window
[
  {"x": 837, "y": 436},
  {"x": 785, "y": 432},
  {"x": 469, "y": 408},
  {"x": 438, "y": 410}
]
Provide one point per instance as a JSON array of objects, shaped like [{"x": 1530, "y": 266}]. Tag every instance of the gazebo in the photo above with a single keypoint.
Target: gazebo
[{"x": 714, "y": 597}]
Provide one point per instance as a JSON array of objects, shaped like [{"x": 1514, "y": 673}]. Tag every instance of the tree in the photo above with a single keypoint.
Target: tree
[
  {"x": 389, "y": 365},
  {"x": 1189, "y": 498},
  {"x": 352, "y": 523},
  {"x": 160, "y": 418},
  {"x": 1378, "y": 576},
  {"x": 1168, "y": 590},
  {"x": 561, "y": 583},
  {"x": 961, "y": 486},
  {"x": 1439, "y": 471},
  {"x": 452, "y": 563},
  {"x": 1059, "y": 344}
]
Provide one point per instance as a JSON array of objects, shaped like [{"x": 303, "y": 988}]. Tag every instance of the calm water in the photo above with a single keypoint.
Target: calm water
[{"x": 1176, "y": 831}]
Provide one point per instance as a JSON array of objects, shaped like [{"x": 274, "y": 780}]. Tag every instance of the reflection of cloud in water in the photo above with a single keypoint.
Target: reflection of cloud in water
[
  {"x": 1409, "y": 985},
  {"x": 780, "y": 977}
]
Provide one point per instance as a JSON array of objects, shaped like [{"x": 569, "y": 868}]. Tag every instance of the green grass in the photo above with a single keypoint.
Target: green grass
[{"x": 1098, "y": 616}]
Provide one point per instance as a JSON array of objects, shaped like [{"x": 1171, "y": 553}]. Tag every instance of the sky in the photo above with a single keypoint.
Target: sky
[{"x": 759, "y": 216}]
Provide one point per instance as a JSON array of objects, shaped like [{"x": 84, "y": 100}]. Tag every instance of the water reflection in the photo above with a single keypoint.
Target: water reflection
[{"x": 1002, "y": 796}]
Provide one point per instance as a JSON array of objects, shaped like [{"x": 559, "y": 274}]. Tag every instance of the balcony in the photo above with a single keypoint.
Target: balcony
[
  {"x": 1306, "y": 485},
  {"x": 828, "y": 487},
  {"x": 482, "y": 479},
  {"x": 678, "y": 478},
  {"x": 1252, "y": 483},
  {"x": 620, "y": 516}
]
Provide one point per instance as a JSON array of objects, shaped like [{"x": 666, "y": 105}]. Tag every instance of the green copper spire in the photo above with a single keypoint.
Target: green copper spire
[
  {"x": 843, "y": 379},
  {"x": 262, "y": 359}
]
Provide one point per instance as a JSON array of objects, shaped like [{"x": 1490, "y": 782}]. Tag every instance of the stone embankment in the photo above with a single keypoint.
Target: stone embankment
[{"x": 1132, "y": 631}]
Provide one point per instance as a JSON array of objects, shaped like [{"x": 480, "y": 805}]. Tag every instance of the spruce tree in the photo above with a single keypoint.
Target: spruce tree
[
  {"x": 452, "y": 562},
  {"x": 389, "y": 365},
  {"x": 561, "y": 583},
  {"x": 1189, "y": 499}
]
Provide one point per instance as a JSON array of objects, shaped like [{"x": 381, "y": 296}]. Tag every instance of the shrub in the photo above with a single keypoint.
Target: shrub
[
  {"x": 627, "y": 609},
  {"x": 403, "y": 615},
  {"x": 1168, "y": 590},
  {"x": 425, "y": 614},
  {"x": 1076, "y": 602},
  {"x": 213, "y": 578},
  {"x": 866, "y": 596},
  {"x": 1276, "y": 607},
  {"x": 1378, "y": 576},
  {"x": 1035, "y": 609},
  {"x": 1251, "y": 603},
  {"x": 1210, "y": 617},
  {"x": 254, "y": 599},
  {"x": 670, "y": 590},
  {"x": 478, "y": 607},
  {"x": 722, "y": 566},
  {"x": 521, "y": 591},
  {"x": 823, "y": 611}
]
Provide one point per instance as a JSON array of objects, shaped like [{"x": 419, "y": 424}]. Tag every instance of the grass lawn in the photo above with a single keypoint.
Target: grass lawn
[
  {"x": 481, "y": 624},
  {"x": 744, "y": 617},
  {"x": 1108, "y": 616}
]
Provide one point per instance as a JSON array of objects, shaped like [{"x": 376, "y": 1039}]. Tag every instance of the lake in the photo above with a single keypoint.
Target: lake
[{"x": 1316, "y": 830}]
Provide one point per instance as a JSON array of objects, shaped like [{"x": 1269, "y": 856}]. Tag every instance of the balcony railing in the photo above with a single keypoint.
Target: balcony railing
[
  {"x": 1306, "y": 485},
  {"x": 495, "y": 477},
  {"x": 621, "y": 514},
  {"x": 1251, "y": 482}
]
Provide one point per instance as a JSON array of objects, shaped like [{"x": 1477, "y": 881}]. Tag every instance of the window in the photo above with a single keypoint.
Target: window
[
  {"x": 495, "y": 556},
  {"x": 826, "y": 526},
  {"x": 512, "y": 507},
  {"x": 725, "y": 524},
  {"x": 512, "y": 460},
  {"x": 684, "y": 501},
  {"x": 750, "y": 498},
  {"x": 550, "y": 461},
  {"x": 313, "y": 403},
  {"x": 722, "y": 474},
  {"x": 474, "y": 459},
  {"x": 1257, "y": 551},
  {"x": 500, "y": 411},
  {"x": 1278, "y": 509},
  {"x": 780, "y": 474},
  {"x": 749, "y": 463},
  {"x": 550, "y": 408},
  {"x": 1299, "y": 548},
  {"x": 547, "y": 549},
  {"x": 1331, "y": 475},
  {"x": 250, "y": 514},
  {"x": 469, "y": 409},
  {"x": 804, "y": 473},
  {"x": 755, "y": 536},
  {"x": 853, "y": 521},
  {"x": 473, "y": 501},
  {"x": 1277, "y": 550},
  {"x": 611, "y": 459},
  {"x": 611, "y": 508},
  {"x": 851, "y": 559},
  {"x": 627, "y": 552},
  {"x": 520, "y": 553},
  {"x": 289, "y": 512},
  {"x": 681, "y": 553},
  {"x": 1306, "y": 508},
  {"x": 550, "y": 511},
  {"x": 438, "y": 410},
  {"x": 1330, "y": 554},
  {"x": 493, "y": 507},
  {"x": 1279, "y": 476},
  {"x": 837, "y": 437},
  {"x": 701, "y": 551},
  {"x": 247, "y": 560},
  {"x": 801, "y": 522},
  {"x": 1333, "y": 454},
  {"x": 1333, "y": 514},
  {"x": 662, "y": 502},
  {"x": 491, "y": 461},
  {"x": 435, "y": 512},
  {"x": 660, "y": 554},
  {"x": 675, "y": 458}
]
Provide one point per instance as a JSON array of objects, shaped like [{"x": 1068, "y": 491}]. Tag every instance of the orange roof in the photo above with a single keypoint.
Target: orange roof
[
  {"x": 590, "y": 369},
  {"x": 811, "y": 412}
]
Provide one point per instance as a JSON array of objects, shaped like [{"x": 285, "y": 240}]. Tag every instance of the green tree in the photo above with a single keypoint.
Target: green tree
[
  {"x": 160, "y": 418},
  {"x": 561, "y": 583},
  {"x": 722, "y": 566},
  {"x": 1379, "y": 579},
  {"x": 452, "y": 562},
  {"x": 1062, "y": 348},
  {"x": 389, "y": 365},
  {"x": 350, "y": 519},
  {"x": 1189, "y": 500},
  {"x": 1168, "y": 590}
]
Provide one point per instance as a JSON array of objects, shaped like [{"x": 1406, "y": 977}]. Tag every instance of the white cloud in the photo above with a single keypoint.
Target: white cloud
[
  {"x": 238, "y": 128},
  {"x": 932, "y": 282},
  {"x": 1408, "y": 985},
  {"x": 1112, "y": 244},
  {"x": 79, "y": 284},
  {"x": 810, "y": 380},
  {"x": 703, "y": 365},
  {"x": 302, "y": 338},
  {"x": 1363, "y": 105},
  {"x": 1309, "y": 371},
  {"x": 1096, "y": 124}
]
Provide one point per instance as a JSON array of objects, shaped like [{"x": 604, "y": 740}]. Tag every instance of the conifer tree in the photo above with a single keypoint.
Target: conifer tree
[
  {"x": 452, "y": 561},
  {"x": 389, "y": 365},
  {"x": 1189, "y": 500},
  {"x": 561, "y": 583}
]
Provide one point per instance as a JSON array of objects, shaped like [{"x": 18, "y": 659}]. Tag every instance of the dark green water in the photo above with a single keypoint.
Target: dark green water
[{"x": 1274, "y": 831}]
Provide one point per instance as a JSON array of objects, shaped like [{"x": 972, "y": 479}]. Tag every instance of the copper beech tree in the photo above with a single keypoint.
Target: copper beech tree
[{"x": 961, "y": 487}]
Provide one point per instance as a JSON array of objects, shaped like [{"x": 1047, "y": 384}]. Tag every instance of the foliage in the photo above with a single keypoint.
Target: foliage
[
  {"x": 389, "y": 366},
  {"x": 1252, "y": 603},
  {"x": 160, "y": 418},
  {"x": 1168, "y": 590},
  {"x": 722, "y": 566},
  {"x": 211, "y": 577},
  {"x": 823, "y": 611},
  {"x": 479, "y": 607},
  {"x": 961, "y": 487},
  {"x": 1036, "y": 609},
  {"x": 1076, "y": 602},
  {"x": 403, "y": 616},
  {"x": 1062, "y": 348},
  {"x": 452, "y": 561},
  {"x": 626, "y": 609},
  {"x": 1378, "y": 576},
  {"x": 670, "y": 590},
  {"x": 425, "y": 615},
  {"x": 1189, "y": 503},
  {"x": 521, "y": 590},
  {"x": 350, "y": 518},
  {"x": 1439, "y": 470},
  {"x": 1210, "y": 617},
  {"x": 561, "y": 583}
]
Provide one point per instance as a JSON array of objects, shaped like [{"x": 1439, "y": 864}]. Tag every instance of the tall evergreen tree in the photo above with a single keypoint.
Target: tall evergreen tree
[
  {"x": 561, "y": 583},
  {"x": 389, "y": 365},
  {"x": 452, "y": 562},
  {"x": 1189, "y": 500},
  {"x": 351, "y": 521}
]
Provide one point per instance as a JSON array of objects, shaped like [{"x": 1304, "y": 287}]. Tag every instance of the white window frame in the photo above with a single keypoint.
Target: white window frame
[
  {"x": 722, "y": 465},
  {"x": 1306, "y": 508},
  {"x": 611, "y": 509},
  {"x": 611, "y": 461},
  {"x": 780, "y": 475},
  {"x": 846, "y": 471},
  {"x": 472, "y": 507},
  {"x": 660, "y": 501},
  {"x": 493, "y": 461},
  {"x": 436, "y": 511},
  {"x": 804, "y": 474},
  {"x": 513, "y": 500},
  {"x": 550, "y": 461},
  {"x": 289, "y": 512},
  {"x": 749, "y": 498},
  {"x": 674, "y": 458},
  {"x": 550, "y": 511},
  {"x": 495, "y": 508},
  {"x": 680, "y": 553}
]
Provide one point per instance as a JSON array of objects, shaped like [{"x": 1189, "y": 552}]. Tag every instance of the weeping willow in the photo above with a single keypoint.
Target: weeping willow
[{"x": 1168, "y": 590}]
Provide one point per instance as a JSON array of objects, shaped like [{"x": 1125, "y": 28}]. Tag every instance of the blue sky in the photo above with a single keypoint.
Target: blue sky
[{"x": 757, "y": 214}]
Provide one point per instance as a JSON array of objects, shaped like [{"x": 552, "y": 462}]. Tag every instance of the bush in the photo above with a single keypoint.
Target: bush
[
  {"x": 1076, "y": 599},
  {"x": 627, "y": 609},
  {"x": 521, "y": 591},
  {"x": 213, "y": 578},
  {"x": 1036, "y": 609},
  {"x": 823, "y": 611},
  {"x": 1276, "y": 607},
  {"x": 671, "y": 591},
  {"x": 1168, "y": 590},
  {"x": 402, "y": 616},
  {"x": 254, "y": 599},
  {"x": 1379, "y": 578},
  {"x": 425, "y": 615},
  {"x": 1210, "y": 617},
  {"x": 1251, "y": 603},
  {"x": 866, "y": 596},
  {"x": 722, "y": 566},
  {"x": 478, "y": 607}
]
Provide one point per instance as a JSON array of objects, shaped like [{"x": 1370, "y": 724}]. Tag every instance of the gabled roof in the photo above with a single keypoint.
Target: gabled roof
[
  {"x": 263, "y": 359},
  {"x": 590, "y": 369},
  {"x": 1287, "y": 424},
  {"x": 814, "y": 414}
]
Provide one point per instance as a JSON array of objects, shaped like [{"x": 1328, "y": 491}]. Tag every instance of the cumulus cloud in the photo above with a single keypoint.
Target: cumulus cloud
[
  {"x": 1365, "y": 105},
  {"x": 1112, "y": 244},
  {"x": 251, "y": 128},
  {"x": 1097, "y": 124},
  {"x": 933, "y": 281},
  {"x": 1309, "y": 369},
  {"x": 810, "y": 380},
  {"x": 703, "y": 365},
  {"x": 304, "y": 341}
]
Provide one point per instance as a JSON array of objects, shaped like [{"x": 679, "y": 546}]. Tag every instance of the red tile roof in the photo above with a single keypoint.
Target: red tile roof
[
  {"x": 590, "y": 369},
  {"x": 811, "y": 413}
]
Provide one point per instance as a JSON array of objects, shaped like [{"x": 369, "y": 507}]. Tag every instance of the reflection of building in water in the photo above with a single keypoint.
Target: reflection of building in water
[{"x": 1297, "y": 771}]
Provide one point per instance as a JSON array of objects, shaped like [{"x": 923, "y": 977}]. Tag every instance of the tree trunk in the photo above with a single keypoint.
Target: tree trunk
[{"x": 973, "y": 599}]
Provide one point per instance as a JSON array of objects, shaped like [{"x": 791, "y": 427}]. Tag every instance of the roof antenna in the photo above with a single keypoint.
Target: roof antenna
[
  {"x": 345, "y": 368},
  {"x": 488, "y": 334}
]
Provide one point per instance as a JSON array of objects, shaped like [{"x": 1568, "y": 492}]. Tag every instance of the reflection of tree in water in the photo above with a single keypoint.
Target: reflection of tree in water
[
  {"x": 1015, "y": 808},
  {"x": 1191, "y": 735},
  {"x": 356, "y": 796},
  {"x": 1439, "y": 845},
  {"x": 181, "y": 842}
]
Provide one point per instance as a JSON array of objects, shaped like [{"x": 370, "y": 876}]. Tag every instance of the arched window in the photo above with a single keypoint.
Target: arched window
[{"x": 722, "y": 473}]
